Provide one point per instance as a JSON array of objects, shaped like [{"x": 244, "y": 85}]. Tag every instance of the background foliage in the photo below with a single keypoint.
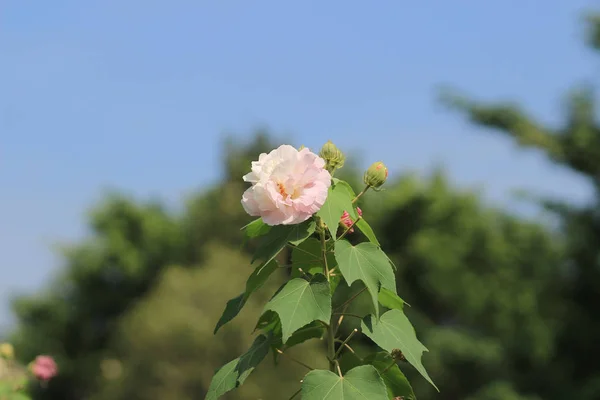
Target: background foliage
[{"x": 506, "y": 306}]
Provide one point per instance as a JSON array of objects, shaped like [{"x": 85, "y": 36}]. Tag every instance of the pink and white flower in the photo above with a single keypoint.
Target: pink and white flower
[{"x": 288, "y": 186}]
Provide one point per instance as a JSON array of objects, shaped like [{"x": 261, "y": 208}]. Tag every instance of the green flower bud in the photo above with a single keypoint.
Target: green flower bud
[
  {"x": 333, "y": 156},
  {"x": 376, "y": 175}
]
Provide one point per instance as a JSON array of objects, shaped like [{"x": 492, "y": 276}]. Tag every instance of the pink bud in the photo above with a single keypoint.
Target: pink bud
[
  {"x": 359, "y": 211},
  {"x": 44, "y": 368},
  {"x": 347, "y": 221}
]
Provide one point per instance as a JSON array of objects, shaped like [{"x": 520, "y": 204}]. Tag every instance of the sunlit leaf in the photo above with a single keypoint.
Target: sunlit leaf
[
  {"x": 394, "y": 331},
  {"x": 256, "y": 228},
  {"x": 301, "y": 302},
  {"x": 365, "y": 262},
  {"x": 390, "y": 299},
  {"x": 366, "y": 229},
  {"x": 360, "y": 383},
  {"x": 339, "y": 199}
]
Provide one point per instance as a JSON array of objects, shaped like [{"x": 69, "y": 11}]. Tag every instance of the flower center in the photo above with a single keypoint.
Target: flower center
[{"x": 281, "y": 189}]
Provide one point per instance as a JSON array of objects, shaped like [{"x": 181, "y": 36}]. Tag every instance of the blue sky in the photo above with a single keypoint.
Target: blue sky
[{"x": 137, "y": 95}]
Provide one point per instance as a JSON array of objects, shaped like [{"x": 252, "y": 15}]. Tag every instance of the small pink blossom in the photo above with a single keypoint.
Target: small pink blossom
[
  {"x": 288, "y": 186},
  {"x": 44, "y": 368},
  {"x": 347, "y": 221}
]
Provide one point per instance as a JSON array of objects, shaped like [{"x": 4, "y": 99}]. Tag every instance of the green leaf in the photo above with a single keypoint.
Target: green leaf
[
  {"x": 366, "y": 229},
  {"x": 393, "y": 377},
  {"x": 349, "y": 360},
  {"x": 314, "y": 330},
  {"x": 270, "y": 322},
  {"x": 235, "y": 372},
  {"x": 308, "y": 256},
  {"x": 254, "y": 282},
  {"x": 394, "y": 331},
  {"x": 301, "y": 302},
  {"x": 339, "y": 199},
  {"x": 251, "y": 358},
  {"x": 365, "y": 262},
  {"x": 275, "y": 240},
  {"x": 360, "y": 383},
  {"x": 256, "y": 228},
  {"x": 224, "y": 380},
  {"x": 390, "y": 299}
]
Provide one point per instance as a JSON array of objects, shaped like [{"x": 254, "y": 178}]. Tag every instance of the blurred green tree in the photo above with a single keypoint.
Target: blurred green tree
[
  {"x": 479, "y": 281},
  {"x": 570, "y": 367}
]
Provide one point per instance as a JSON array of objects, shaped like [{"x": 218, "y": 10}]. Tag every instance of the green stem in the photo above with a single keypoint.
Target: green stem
[
  {"x": 337, "y": 353},
  {"x": 324, "y": 250},
  {"x": 331, "y": 347},
  {"x": 348, "y": 228},
  {"x": 349, "y": 315},
  {"x": 360, "y": 194},
  {"x": 346, "y": 346},
  {"x": 330, "y": 328},
  {"x": 351, "y": 299},
  {"x": 294, "y": 360}
]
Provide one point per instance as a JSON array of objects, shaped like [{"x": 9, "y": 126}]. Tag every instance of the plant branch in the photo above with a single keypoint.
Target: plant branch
[
  {"x": 324, "y": 251},
  {"x": 346, "y": 345},
  {"x": 348, "y": 229},
  {"x": 337, "y": 353},
  {"x": 294, "y": 360},
  {"x": 349, "y": 315},
  {"x": 351, "y": 298},
  {"x": 337, "y": 364},
  {"x": 360, "y": 194}
]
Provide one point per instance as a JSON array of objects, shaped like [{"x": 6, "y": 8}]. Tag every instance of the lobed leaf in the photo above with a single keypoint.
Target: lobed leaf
[
  {"x": 390, "y": 299},
  {"x": 368, "y": 263},
  {"x": 393, "y": 377},
  {"x": 394, "y": 331},
  {"x": 339, "y": 199},
  {"x": 366, "y": 229},
  {"x": 360, "y": 383},
  {"x": 256, "y": 228},
  {"x": 301, "y": 302}
]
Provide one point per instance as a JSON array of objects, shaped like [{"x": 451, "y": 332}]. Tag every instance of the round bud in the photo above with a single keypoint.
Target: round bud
[
  {"x": 376, "y": 175},
  {"x": 333, "y": 156}
]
